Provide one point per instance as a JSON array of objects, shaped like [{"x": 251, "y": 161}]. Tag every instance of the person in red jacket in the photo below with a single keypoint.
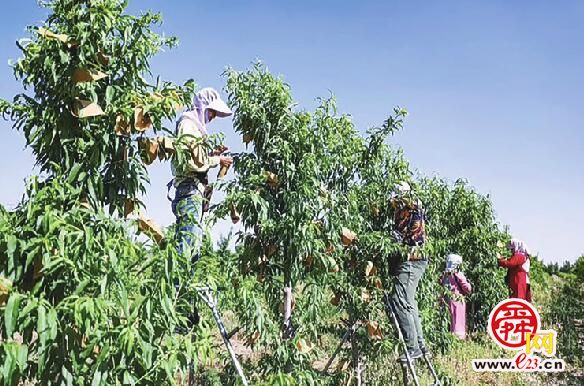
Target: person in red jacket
[{"x": 517, "y": 270}]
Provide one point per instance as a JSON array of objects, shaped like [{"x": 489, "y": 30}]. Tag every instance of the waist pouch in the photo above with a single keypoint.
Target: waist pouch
[{"x": 188, "y": 187}]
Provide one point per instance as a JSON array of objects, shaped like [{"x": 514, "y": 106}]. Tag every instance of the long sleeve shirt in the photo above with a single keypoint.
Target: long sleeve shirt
[
  {"x": 198, "y": 159},
  {"x": 517, "y": 277},
  {"x": 459, "y": 286}
]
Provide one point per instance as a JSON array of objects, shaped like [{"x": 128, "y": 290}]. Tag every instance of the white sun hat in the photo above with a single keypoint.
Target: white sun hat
[{"x": 209, "y": 99}]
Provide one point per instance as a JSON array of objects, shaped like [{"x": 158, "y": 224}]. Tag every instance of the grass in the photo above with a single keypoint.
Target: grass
[{"x": 456, "y": 365}]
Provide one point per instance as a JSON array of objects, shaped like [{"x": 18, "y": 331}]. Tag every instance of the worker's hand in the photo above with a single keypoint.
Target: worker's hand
[
  {"x": 225, "y": 161},
  {"x": 220, "y": 150},
  {"x": 500, "y": 257}
]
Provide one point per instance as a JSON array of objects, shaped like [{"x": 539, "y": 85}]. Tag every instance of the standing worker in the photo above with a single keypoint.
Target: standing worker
[
  {"x": 408, "y": 228},
  {"x": 458, "y": 287},
  {"x": 191, "y": 171},
  {"x": 517, "y": 270}
]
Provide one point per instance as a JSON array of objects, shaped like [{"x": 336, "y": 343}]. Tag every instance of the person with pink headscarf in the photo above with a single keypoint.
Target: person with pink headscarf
[
  {"x": 191, "y": 172},
  {"x": 517, "y": 270}
]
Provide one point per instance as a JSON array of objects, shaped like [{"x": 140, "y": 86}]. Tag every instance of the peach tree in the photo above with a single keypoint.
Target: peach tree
[
  {"x": 367, "y": 260},
  {"x": 459, "y": 220},
  {"x": 87, "y": 95},
  {"x": 84, "y": 301},
  {"x": 285, "y": 191}
]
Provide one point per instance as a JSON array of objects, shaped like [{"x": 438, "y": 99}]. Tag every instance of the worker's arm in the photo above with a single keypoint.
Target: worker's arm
[
  {"x": 192, "y": 139},
  {"x": 463, "y": 283},
  {"x": 515, "y": 260}
]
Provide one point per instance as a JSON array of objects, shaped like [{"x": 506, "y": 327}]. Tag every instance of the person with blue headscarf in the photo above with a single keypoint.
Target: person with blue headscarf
[{"x": 457, "y": 287}]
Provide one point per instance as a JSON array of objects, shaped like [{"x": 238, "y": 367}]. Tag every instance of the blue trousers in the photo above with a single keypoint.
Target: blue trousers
[{"x": 187, "y": 206}]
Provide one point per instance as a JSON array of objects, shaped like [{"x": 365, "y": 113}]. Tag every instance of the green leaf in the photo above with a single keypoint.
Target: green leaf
[
  {"x": 82, "y": 176},
  {"x": 81, "y": 287},
  {"x": 96, "y": 378},
  {"x": 42, "y": 324},
  {"x": 73, "y": 173},
  {"x": 11, "y": 245},
  {"x": 129, "y": 341},
  {"x": 10, "y": 363},
  {"x": 129, "y": 379},
  {"x": 11, "y": 313},
  {"x": 52, "y": 324},
  {"x": 43, "y": 337},
  {"x": 67, "y": 376},
  {"x": 22, "y": 356},
  {"x": 109, "y": 94}
]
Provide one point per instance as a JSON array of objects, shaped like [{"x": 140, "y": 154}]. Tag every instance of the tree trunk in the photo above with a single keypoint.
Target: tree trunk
[
  {"x": 287, "y": 325},
  {"x": 287, "y": 328},
  {"x": 357, "y": 365}
]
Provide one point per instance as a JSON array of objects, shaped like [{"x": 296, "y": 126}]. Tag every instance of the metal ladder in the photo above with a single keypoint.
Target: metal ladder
[
  {"x": 351, "y": 329},
  {"x": 409, "y": 365},
  {"x": 206, "y": 293}
]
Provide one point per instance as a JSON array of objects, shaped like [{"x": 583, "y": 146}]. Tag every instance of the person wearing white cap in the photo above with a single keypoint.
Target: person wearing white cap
[
  {"x": 517, "y": 270},
  {"x": 408, "y": 267},
  {"x": 190, "y": 172},
  {"x": 458, "y": 287}
]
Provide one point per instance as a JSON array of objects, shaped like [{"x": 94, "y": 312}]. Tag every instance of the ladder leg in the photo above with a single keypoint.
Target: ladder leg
[
  {"x": 404, "y": 368},
  {"x": 350, "y": 331},
  {"x": 210, "y": 300},
  {"x": 391, "y": 314},
  {"x": 432, "y": 371}
]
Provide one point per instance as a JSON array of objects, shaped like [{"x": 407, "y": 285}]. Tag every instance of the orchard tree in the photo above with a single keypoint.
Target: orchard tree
[
  {"x": 459, "y": 220},
  {"x": 87, "y": 95},
  {"x": 578, "y": 268},
  {"x": 462, "y": 221},
  {"x": 363, "y": 209},
  {"x": 284, "y": 193},
  {"x": 83, "y": 301}
]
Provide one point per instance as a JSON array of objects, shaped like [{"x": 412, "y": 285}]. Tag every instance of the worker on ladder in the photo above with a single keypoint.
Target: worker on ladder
[
  {"x": 408, "y": 267},
  {"x": 190, "y": 170},
  {"x": 193, "y": 193}
]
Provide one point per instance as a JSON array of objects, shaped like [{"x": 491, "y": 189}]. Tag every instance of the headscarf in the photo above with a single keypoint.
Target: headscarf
[
  {"x": 453, "y": 261},
  {"x": 206, "y": 99},
  {"x": 516, "y": 245}
]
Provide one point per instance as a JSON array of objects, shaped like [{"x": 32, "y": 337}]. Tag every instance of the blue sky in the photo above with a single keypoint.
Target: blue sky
[{"x": 494, "y": 89}]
